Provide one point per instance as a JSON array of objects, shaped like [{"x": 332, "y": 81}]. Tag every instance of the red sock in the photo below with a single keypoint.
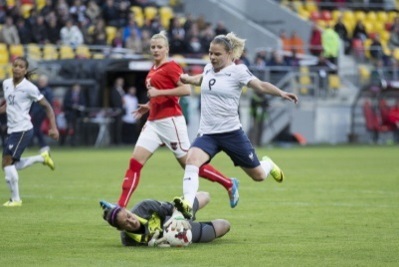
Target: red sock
[
  {"x": 130, "y": 182},
  {"x": 210, "y": 173}
]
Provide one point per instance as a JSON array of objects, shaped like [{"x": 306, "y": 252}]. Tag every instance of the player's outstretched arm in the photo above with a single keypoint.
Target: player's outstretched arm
[
  {"x": 193, "y": 80},
  {"x": 268, "y": 88}
]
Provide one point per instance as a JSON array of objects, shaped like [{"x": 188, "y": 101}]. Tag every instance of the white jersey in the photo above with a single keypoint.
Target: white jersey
[
  {"x": 220, "y": 97},
  {"x": 19, "y": 100}
]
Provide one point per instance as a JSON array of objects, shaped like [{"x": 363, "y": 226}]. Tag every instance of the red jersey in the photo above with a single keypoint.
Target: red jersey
[{"x": 164, "y": 77}]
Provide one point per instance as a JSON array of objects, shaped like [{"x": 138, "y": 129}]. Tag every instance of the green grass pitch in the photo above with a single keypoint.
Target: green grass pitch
[{"x": 339, "y": 206}]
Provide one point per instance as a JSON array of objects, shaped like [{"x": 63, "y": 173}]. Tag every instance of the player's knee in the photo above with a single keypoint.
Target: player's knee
[{"x": 221, "y": 227}]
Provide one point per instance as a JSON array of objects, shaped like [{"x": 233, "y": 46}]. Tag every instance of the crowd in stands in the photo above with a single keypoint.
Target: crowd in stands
[{"x": 117, "y": 23}]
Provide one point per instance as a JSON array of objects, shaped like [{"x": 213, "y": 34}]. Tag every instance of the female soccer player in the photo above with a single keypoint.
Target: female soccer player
[
  {"x": 220, "y": 128},
  {"x": 19, "y": 94},
  {"x": 139, "y": 226},
  {"x": 166, "y": 124}
]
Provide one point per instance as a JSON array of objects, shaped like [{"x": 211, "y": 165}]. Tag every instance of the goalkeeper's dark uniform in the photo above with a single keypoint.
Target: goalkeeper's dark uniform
[{"x": 153, "y": 214}]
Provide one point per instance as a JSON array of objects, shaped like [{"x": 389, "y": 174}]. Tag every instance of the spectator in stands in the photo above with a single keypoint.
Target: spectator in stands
[
  {"x": 377, "y": 51},
  {"x": 99, "y": 34},
  {"x": 78, "y": 11},
  {"x": 177, "y": 35},
  {"x": 134, "y": 43},
  {"x": 331, "y": 44},
  {"x": 130, "y": 128},
  {"x": 110, "y": 13},
  {"x": 207, "y": 35},
  {"x": 296, "y": 43},
  {"x": 124, "y": 13},
  {"x": 116, "y": 103},
  {"x": 394, "y": 37},
  {"x": 53, "y": 31},
  {"x": 244, "y": 59},
  {"x": 62, "y": 11},
  {"x": 117, "y": 42},
  {"x": 194, "y": 46},
  {"x": 93, "y": 11},
  {"x": 315, "y": 44},
  {"x": 146, "y": 42},
  {"x": 359, "y": 31},
  {"x": 38, "y": 113},
  {"x": 71, "y": 34},
  {"x": 285, "y": 41},
  {"x": 220, "y": 28},
  {"x": 152, "y": 25},
  {"x": 74, "y": 105},
  {"x": 340, "y": 28},
  {"x": 39, "y": 31},
  {"x": 9, "y": 33},
  {"x": 47, "y": 8},
  {"x": 129, "y": 28},
  {"x": 25, "y": 34}
]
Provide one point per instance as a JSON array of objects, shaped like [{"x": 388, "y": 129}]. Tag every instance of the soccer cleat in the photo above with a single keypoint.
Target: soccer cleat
[
  {"x": 276, "y": 172},
  {"x": 233, "y": 193},
  {"x": 106, "y": 205},
  {"x": 47, "y": 160},
  {"x": 182, "y": 206},
  {"x": 12, "y": 203}
]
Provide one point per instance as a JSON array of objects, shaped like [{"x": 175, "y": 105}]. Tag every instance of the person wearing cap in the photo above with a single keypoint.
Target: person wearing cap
[{"x": 143, "y": 224}]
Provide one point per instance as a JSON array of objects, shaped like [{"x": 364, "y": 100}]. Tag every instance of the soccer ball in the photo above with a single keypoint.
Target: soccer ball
[{"x": 177, "y": 237}]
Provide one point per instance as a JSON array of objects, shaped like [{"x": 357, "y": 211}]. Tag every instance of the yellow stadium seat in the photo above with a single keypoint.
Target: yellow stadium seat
[
  {"x": 139, "y": 21},
  {"x": 304, "y": 79},
  {"x": 391, "y": 16},
  {"x": 83, "y": 51},
  {"x": 40, "y": 4},
  {"x": 369, "y": 26},
  {"x": 66, "y": 52},
  {"x": 348, "y": 15},
  {"x": 304, "y": 14},
  {"x": 111, "y": 33},
  {"x": 165, "y": 13},
  {"x": 98, "y": 56},
  {"x": 25, "y": 10},
  {"x": 10, "y": 3},
  {"x": 371, "y": 16},
  {"x": 334, "y": 82},
  {"x": 34, "y": 51},
  {"x": 311, "y": 6},
  {"x": 4, "y": 58},
  {"x": 384, "y": 36},
  {"x": 396, "y": 53},
  {"x": 50, "y": 52},
  {"x": 359, "y": 15},
  {"x": 17, "y": 50},
  {"x": 3, "y": 72},
  {"x": 364, "y": 74},
  {"x": 382, "y": 16},
  {"x": 180, "y": 59},
  {"x": 137, "y": 11},
  {"x": 335, "y": 14},
  {"x": 150, "y": 12}
]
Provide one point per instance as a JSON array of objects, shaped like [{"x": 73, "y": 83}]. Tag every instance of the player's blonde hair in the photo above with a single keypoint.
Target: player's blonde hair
[
  {"x": 232, "y": 43},
  {"x": 161, "y": 35}
]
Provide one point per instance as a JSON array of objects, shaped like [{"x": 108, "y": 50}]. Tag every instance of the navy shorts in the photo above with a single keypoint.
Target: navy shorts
[
  {"x": 235, "y": 144},
  {"x": 16, "y": 143}
]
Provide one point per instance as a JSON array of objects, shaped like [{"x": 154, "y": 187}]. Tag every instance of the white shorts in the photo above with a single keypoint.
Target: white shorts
[{"x": 170, "y": 132}]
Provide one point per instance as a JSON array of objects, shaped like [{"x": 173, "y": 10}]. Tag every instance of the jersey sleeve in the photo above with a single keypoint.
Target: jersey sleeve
[
  {"x": 35, "y": 93},
  {"x": 146, "y": 208},
  {"x": 174, "y": 72},
  {"x": 244, "y": 75}
]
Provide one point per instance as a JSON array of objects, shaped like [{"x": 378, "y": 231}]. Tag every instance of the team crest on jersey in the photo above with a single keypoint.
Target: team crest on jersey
[
  {"x": 173, "y": 145},
  {"x": 251, "y": 156}
]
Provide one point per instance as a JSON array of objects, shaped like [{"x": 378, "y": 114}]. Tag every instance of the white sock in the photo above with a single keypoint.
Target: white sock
[
  {"x": 12, "y": 181},
  {"x": 190, "y": 183},
  {"x": 26, "y": 162},
  {"x": 267, "y": 166}
]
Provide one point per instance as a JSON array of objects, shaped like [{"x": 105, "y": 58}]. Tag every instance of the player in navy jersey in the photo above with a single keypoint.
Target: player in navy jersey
[
  {"x": 166, "y": 125},
  {"x": 19, "y": 94},
  {"x": 220, "y": 128}
]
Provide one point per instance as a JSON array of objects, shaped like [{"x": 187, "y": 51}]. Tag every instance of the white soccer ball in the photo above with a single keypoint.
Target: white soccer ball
[{"x": 177, "y": 237}]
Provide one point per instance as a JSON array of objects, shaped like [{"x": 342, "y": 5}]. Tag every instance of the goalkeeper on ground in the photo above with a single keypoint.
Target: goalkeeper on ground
[{"x": 143, "y": 225}]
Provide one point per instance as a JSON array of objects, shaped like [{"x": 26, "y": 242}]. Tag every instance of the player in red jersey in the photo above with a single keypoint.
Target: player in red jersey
[{"x": 166, "y": 125}]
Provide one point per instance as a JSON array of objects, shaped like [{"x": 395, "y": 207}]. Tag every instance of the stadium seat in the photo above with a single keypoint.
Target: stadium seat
[
  {"x": 137, "y": 11},
  {"x": 66, "y": 52},
  {"x": 310, "y": 6},
  {"x": 359, "y": 15},
  {"x": 25, "y": 10},
  {"x": 304, "y": 79},
  {"x": 382, "y": 17},
  {"x": 371, "y": 16},
  {"x": 33, "y": 51},
  {"x": 396, "y": 53},
  {"x": 150, "y": 12},
  {"x": 336, "y": 14},
  {"x": 83, "y": 51},
  {"x": 10, "y": 3},
  {"x": 16, "y": 50},
  {"x": 165, "y": 13},
  {"x": 334, "y": 82},
  {"x": 364, "y": 74},
  {"x": 98, "y": 56},
  {"x": 40, "y": 4},
  {"x": 367, "y": 44},
  {"x": 50, "y": 52},
  {"x": 111, "y": 33}
]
